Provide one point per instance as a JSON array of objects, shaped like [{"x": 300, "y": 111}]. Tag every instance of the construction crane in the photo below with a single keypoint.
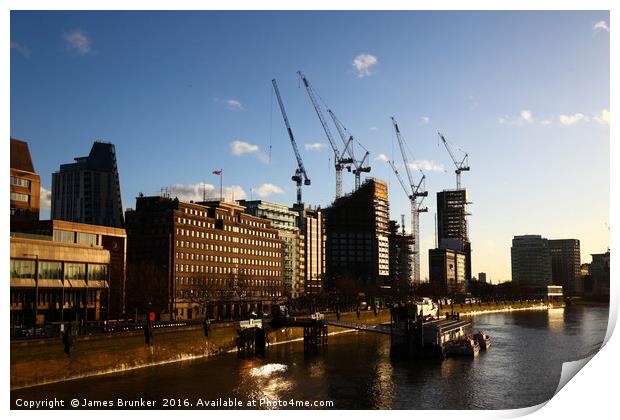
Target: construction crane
[
  {"x": 414, "y": 192},
  {"x": 461, "y": 166},
  {"x": 339, "y": 160},
  {"x": 300, "y": 172},
  {"x": 348, "y": 142}
]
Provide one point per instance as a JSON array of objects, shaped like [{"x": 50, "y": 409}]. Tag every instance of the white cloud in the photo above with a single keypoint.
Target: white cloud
[
  {"x": 603, "y": 118},
  {"x": 195, "y": 192},
  {"x": 545, "y": 122},
  {"x": 426, "y": 165},
  {"x": 78, "y": 41},
  {"x": 573, "y": 119},
  {"x": 363, "y": 63},
  {"x": 238, "y": 148},
  {"x": 526, "y": 115},
  {"x": 425, "y": 120},
  {"x": 45, "y": 199},
  {"x": 22, "y": 49},
  {"x": 234, "y": 105},
  {"x": 373, "y": 128},
  {"x": 314, "y": 147},
  {"x": 381, "y": 157},
  {"x": 601, "y": 25},
  {"x": 266, "y": 190}
]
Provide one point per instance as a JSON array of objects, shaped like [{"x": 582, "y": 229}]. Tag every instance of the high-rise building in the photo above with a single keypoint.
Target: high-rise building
[
  {"x": 88, "y": 190},
  {"x": 25, "y": 183},
  {"x": 531, "y": 261},
  {"x": 565, "y": 265},
  {"x": 600, "y": 274},
  {"x": 447, "y": 271},
  {"x": 358, "y": 259},
  {"x": 196, "y": 260},
  {"x": 452, "y": 229},
  {"x": 482, "y": 277},
  {"x": 401, "y": 260},
  {"x": 285, "y": 221},
  {"x": 312, "y": 239}
]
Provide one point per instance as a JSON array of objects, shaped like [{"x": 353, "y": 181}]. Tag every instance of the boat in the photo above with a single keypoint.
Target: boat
[
  {"x": 465, "y": 346},
  {"x": 427, "y": 308},
  {"x": 484, "y": 341}
]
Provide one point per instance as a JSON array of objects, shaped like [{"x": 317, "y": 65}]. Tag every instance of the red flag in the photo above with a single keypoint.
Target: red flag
[{"x": 217, "y": 172}]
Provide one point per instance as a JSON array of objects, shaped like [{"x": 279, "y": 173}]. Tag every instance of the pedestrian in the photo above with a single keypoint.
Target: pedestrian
[
  {"x": 207, "y": 327},
  {"x": 67, "y": 339},
  {"x": 148, "y": 333},
  {"x": 357, "y": 311}
]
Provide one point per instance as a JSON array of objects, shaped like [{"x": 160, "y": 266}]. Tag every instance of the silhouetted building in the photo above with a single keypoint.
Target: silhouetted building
[
  {"x": 25, "y": 183},
  {"x": 358, "y": 259},
  {"x": 531, "y": 261},
  {"x": 452, "y": 229},
  {"x": 401, "y": 260},
  {"x": 285, "y": 221},
  {"x": 197, "y": 260},
  {"x": 482, "y": 277},
  {"x": 67, "y": 235},
  {"x": 599, "y": 273},
  {"x": 447, "y": 271},
  {"x": 88, "y": 190},
  {"x": 565, "y": 265}
]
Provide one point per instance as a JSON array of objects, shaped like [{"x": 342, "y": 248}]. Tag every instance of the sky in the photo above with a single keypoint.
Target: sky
[{"x": 180, "y": 94}]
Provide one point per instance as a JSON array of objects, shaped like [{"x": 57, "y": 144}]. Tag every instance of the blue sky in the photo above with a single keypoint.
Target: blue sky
[{"x": 526, "y": 94}]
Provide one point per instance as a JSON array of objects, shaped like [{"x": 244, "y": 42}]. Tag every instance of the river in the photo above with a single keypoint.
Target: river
[{"x": 522, "y": 368}]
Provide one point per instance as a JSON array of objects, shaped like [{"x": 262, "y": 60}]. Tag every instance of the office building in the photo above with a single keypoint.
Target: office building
[
  {"x": 312, "y": 238},
  {"x": 358, "y": 260},
  {"x": 25, "y": 183},
  {"x": 88, "y": 190},
  {"x": 531, "y": 261},
  {"x": 482, "y": 277},
  {"x": 447, "y": 270},
  {"x": 196, "y": 260},
  {"x": 566, "y": 265},
  {"x": 452, "y": 229},
  {"x": 59, "y": 233},
  {"x": 285, "y": 221},
  {"x": 599, "y": 273},
  {"x": 401, "y": 248}
]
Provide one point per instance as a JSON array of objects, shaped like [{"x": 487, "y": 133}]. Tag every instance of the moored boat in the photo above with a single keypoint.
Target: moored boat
[
  {"x": 484, "y": 341},
  {"x": 466, "y": 346}
]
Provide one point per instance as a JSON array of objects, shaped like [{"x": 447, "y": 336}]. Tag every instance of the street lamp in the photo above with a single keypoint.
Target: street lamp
[{"x": 36, "y": 286}]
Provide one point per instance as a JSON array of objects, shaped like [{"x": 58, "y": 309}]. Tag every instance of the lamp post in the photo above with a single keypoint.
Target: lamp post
[{"x": 36, "y": 286}]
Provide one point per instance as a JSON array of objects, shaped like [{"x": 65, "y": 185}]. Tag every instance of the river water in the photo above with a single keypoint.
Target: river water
[{"x": 522, "y": 368}]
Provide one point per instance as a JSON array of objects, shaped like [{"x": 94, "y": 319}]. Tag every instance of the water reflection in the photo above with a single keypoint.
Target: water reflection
[{"x": 555, "y": 319}]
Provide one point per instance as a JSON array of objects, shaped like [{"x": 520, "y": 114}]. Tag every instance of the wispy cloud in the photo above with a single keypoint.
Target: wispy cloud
[
  {"x": 363, "y": 64},
  {"x": 45, "y": 199},
  {"x": 20, "y": 48},
  {"x": 314, "y": 147},
  {"x": 573, "y": 118},
  {"x": 526, "y": 115},
  {"x": 382, "y": 157},
  {"x": 373, "y": 128},
  {"x": 603, "y": 118},
  {"x": 240, "y": 148},
  {"x": 425, "y": 120},
  {"x": 78, "y": 41},
  {"x": 601, "y": 25},
  {"x": 266, "y": 190},
  {"x": 195, "y": 192},
  {"x": 426, "y": 165},
  {"x": 234, "y": 105}
]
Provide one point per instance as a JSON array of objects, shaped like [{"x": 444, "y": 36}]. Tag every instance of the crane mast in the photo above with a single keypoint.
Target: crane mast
[
  {"x": 413, "y": 193},
  {"x": 300, "y": 172},
  {"x": 461, "y": 166},
  {"x": 359, "y": 164},
  {"x": 339, "y": 160}
]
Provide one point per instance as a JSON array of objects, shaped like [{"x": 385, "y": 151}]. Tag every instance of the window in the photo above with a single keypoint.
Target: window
[
  {"x": 86, "y": 238},
  {"x": 50, "y": 270},
  {"x": 75, "y": 271},
  {"x": 64, "y": 236},
  {"x": 20, "y": 182},
  {"x": 19, "y": 197},
  {"x": 97, "y": 272},
  {"x": 22, "y": 269}
]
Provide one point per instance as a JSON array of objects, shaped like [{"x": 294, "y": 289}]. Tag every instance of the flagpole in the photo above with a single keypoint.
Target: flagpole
[{"x": 221, "y": 184}]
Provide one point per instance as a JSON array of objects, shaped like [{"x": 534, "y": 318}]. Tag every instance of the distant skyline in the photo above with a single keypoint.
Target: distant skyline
[{"x": 181, "y": 94}]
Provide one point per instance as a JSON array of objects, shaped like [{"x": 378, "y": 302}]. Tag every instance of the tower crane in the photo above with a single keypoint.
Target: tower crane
[
  {"x": 461, "y": 166},
  {"x": 348, "y": 141},
  {"x": 300, "y": 172},
  {"x": 339, "y": 160},
  {"x": 414, "y": 192}
]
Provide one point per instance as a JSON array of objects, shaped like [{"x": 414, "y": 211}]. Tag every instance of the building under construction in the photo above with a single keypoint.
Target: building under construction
[
  {"x": 452, "y": 232},
  {"x": 401, "y": 259},
  {"x": 358, "y": 260}
]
